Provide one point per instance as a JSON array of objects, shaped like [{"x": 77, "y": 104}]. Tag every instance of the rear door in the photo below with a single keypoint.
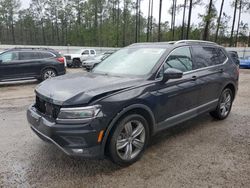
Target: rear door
[
  {"x": 30, "y": 62},
  {"x": 209, "y": 63}
]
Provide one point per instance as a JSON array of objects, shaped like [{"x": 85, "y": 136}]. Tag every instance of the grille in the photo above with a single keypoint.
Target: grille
[
  {"x": 47, "y": 108},
  {"x": 67, "y": 57}
]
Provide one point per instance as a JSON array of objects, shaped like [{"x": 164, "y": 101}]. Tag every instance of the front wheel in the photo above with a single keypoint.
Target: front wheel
[
  {"x": 129, "y": 139},
  {"x": 225, "y": 104}
]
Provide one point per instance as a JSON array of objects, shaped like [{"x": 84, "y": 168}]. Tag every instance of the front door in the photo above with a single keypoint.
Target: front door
[
  {"x": 177, "y": 98},
  {"x": 9, "y": 65}
]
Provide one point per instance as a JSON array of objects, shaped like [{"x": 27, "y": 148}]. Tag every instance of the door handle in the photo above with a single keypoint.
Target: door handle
[{"x": 194, "y": 78}]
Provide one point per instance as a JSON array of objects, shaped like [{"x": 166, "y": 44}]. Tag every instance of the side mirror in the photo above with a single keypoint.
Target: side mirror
[
  {"x": 171, "y": 73},
  {"x": 1, "y": 61}
]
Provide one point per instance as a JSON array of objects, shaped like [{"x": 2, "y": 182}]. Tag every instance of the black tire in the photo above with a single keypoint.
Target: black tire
[
  {"x": 48, "y": 73},
  {"x": 137, "y": 144},
  {"x": 218, "y": 113},
  {"x": 76, "y": 63}
]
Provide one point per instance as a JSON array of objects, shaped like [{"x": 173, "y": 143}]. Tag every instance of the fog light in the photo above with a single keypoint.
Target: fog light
[{"x": 77, "y": 150}]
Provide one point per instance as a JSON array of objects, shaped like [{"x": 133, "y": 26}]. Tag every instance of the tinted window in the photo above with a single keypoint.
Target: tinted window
[
  {"x": 222, "y": 56},
  {"x": 207, "y": 56},
  {"x": 28, "y": 55},
  {"x": 44, "y": 55},
  {"x": 180, "y": 59},
  {"x": 92, "y": 52},
  {"x": 8, "y": 57},
  {"x": 85, "y": 52}
]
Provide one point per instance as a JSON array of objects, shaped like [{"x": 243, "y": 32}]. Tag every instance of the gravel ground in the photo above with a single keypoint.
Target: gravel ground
[{"x": 199, "y": 153}]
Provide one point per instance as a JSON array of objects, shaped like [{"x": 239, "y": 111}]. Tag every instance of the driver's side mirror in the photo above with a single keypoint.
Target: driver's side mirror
[
  {"x": 171, "y": 73},
  {"x": 1, "y": 61}
]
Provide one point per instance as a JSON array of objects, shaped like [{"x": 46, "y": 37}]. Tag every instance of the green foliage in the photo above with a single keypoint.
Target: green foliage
[{"x": 97, "y": 23}]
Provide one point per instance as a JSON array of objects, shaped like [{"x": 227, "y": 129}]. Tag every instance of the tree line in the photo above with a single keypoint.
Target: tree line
[{"x": 119, "y": 23}]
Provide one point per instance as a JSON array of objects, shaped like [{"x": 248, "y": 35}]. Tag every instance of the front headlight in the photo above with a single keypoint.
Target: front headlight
[{"x": 79, "y": 113}]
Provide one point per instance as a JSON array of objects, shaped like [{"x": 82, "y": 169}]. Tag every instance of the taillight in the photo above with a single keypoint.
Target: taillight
[{"x": 60, "y": 59}]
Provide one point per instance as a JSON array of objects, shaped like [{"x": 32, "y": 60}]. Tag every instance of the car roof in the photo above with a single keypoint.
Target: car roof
[
  {"x": 173, "y": 43},
  {"x": 34, "y": 49}
]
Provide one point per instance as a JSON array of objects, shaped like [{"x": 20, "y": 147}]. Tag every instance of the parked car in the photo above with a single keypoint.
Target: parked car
[
  {"x": 245, "y": 62},
  {"x": 91, "y": 63},
  {"x": 234, "y": 55},
  {"x": 75, "y": 59},
  {"x": 30, "y": 63},
  {"x": 135, "y": 93}
]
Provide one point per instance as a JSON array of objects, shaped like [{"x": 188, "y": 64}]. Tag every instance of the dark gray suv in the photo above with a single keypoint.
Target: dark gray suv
[{"x": 133, "y": 94}]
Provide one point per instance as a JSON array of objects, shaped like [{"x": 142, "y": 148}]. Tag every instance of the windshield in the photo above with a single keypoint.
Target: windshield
[{"x": 130, "y": 61}]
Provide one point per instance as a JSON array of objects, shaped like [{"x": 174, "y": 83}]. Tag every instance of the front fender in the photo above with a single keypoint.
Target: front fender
[{"x": 120, "y": 114}]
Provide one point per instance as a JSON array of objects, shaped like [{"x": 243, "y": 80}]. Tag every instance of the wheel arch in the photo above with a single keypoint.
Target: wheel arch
[
  {"x": 232, "y": 87},
  {"x": 48, "y": 67},
  {"x": 140, "y": 109}
]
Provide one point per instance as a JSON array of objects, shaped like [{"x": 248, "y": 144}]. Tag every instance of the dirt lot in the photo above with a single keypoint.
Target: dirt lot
[{"x": 199, "y": 153}]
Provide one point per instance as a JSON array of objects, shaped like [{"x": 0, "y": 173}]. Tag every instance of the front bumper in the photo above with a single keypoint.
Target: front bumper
[
  {"x": 87, "y": 66},
  {"x": 74, "y": 140}
]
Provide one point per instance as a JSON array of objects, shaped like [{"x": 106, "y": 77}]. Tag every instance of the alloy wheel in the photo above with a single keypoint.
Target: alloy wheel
[
  {"x": 131, "y": 140},
  {"x": 49, "y": 74},
  {"x": 225, "y": 104}
]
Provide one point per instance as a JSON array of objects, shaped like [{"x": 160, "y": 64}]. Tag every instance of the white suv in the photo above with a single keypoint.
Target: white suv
[{"x": 76, "y": 59}]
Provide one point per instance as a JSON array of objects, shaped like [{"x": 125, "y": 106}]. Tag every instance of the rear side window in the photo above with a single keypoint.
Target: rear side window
[
  {"x": 44, "y": 55},
  {"x": 205, "y": 56},
  {"x": 222, "y": 56},
  {"x": 28, "y": 55},
  {"x": 180, "y": 59},
  {"x": 92, "y": 52}
]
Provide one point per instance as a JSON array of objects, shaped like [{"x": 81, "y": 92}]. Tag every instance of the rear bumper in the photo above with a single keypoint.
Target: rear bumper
[{"x": 74, "y": 140}]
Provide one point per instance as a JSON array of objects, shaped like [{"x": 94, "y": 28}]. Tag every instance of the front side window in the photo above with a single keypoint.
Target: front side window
[
  {"x": 8, "y": 57},
  {"x": 180, "y": 59},
  {"x": 134, "y": 61},
  {"x": 92, "y": 52}
]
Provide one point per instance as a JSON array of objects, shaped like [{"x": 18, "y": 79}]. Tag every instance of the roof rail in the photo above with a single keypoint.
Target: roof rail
[
  {"x": 195, "y": 41},
  {"x": 32, "y": 48}
]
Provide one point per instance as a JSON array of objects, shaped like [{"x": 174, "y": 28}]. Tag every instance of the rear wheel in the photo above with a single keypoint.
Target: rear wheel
[
  {"x": 76, "y": 63},
  {"x": 128, "y": 140},
  {"x": 225, "y": 104},
  {"x": 48, "y": 73}
]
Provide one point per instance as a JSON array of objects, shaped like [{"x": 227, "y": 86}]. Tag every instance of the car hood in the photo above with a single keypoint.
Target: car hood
[{"x": 82, "y": 88}]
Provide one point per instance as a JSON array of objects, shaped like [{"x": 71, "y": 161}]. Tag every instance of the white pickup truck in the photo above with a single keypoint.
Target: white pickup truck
[{"x": 76, "y": 59}]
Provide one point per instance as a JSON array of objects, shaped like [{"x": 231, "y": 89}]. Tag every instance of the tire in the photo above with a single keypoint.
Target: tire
[
  {"x": 76, "y": 63},
  {"x": 224, "y": 106},
  {"x": 130, "y": 148},
  {"x": 48, "y": 73}
]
